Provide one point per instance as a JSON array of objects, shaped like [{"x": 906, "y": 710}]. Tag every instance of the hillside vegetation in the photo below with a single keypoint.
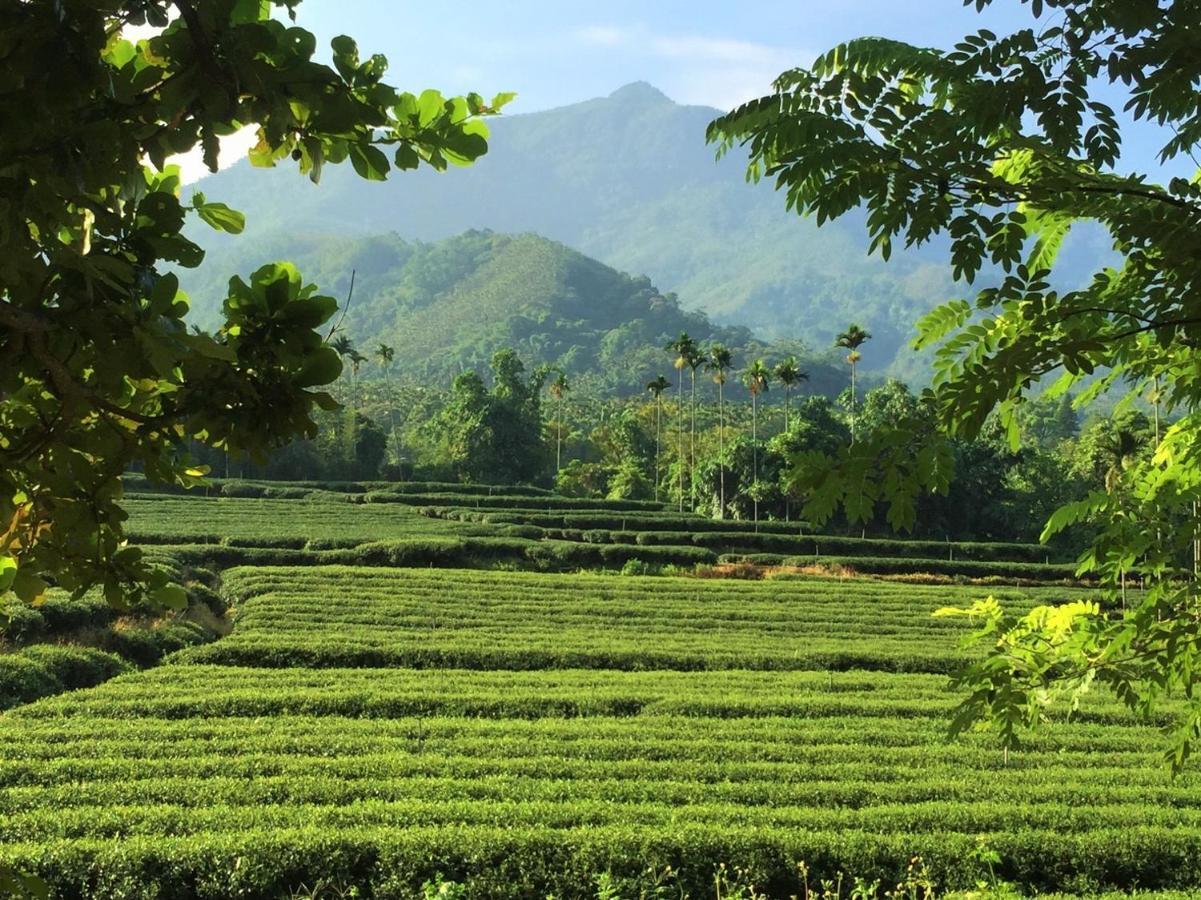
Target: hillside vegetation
[
  {"x": 448, "y": 306},
  {"x": 629, "y": 180}
]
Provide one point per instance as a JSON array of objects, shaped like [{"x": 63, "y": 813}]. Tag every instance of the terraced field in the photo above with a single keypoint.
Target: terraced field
[
  {"x": 502, "y": 620},
  {"x": 367, "y": 729},
  {"x": 415, "y": 524}
]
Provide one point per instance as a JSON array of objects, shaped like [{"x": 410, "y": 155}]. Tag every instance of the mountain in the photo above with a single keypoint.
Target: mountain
[
  {"x": 449, "y": 305},
  {"x": 628, "y": 180}
]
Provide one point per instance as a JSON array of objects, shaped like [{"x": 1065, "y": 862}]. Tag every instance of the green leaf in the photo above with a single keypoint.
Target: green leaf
[
  {"x": 369, "y": 162},
  {"x": 309, "y": 312},
  {"x": 28, "y": 587},
  {"x": 246, "y": 11},
  {"x": 430, "y": 106},
  {"x": 170, "y": 596},
  {"x": 8, "y": 571},
  {"x": 323, "y": 366},
  {"x": 221, "y": 217}
]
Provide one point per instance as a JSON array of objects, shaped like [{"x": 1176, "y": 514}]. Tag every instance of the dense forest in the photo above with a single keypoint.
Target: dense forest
[
  {"x": 693, "y": 448},
  {"x": 446, "y": 307}
]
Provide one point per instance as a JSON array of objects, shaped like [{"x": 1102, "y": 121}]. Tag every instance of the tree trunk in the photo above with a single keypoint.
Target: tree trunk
[
  {"x": 852, "y": 403},
  {"x": 392, "y": 417},
  {"x": 755, "y": 455},
  {"x": 692, "y": 446},
  {"x": 721, "y": 449},
  {"x": 559, "y": 437},
  {"x": 658, "y": 420},
  {"x": 680, "y": 434}
]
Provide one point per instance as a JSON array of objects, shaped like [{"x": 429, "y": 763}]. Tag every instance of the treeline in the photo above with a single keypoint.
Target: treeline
[{"x": 685, "y": 443}]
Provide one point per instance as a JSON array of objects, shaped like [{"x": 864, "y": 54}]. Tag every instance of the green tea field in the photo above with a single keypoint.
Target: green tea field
[{"x": 367, "y": 730}]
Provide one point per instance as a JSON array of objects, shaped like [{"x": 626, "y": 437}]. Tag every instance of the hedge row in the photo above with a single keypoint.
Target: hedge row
[
  {"x": 57, "y": 615},
  {"x": 448, "y": 551},
  {"x": 512, "y": 501},
  {"x": 890, "y": 566},
  {"x": 522, "y": 862},
  {"x": 835, "y": 545},
  {"x": 631, "y": 520},
  {"x": 236, "y": 487},
  {"x": 48, "y": 669}
]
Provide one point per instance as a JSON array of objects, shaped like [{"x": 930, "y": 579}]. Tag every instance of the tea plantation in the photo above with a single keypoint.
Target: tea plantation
[{"x": 505, "y": 715}]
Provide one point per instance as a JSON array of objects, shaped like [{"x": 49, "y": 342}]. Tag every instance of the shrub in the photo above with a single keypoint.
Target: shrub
[
  {"x": 24, "y": 624},
  {"x": 23, "y": 679},
  {"x": 77, "y": 667}
]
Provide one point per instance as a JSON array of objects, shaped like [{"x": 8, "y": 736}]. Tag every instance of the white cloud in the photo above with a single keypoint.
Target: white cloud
[
  {"x": 694, "y": 47},
  {"x": 604, "y": 35}
]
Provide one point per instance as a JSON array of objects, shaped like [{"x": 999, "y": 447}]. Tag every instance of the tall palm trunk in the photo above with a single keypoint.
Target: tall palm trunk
[
  {"x": 755, "y": 453},
  {"x": 692, "y": 446},
  {"x": 559, "y": 434},
  {"x": 787, "y": 404},
  {"x": 680, "y": 434},
  {"x": 853, "y": 367},
  {"x": 658, "y": 420},
  {"x": 392, "y": 415},
  {"x": 721, "y": 449}
]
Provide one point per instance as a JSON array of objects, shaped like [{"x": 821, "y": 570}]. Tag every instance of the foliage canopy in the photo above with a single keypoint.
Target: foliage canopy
[
  {"x": 101, "y": 372},
  {"x": 1003, "y": 145}
]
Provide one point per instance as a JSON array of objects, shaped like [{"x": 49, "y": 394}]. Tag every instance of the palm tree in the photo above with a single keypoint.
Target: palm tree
[
  {"x": 756, "y": 378},
  {"x": 558, "y": 389},
  {"x": 385, "y": 355},
  {"x": 1120, "y": 447},
  {"x": 720, "y": 362},
  {"x": 684, "y": 348},
  {"x": 356, "y": 361},
  {"x": 657, "y": 386},
  {"x": 696, "y": 359},
  {"x": 342, "y": 346},
  {"x": 852, "y": 339},
  {"x": 789, "y": 374}
]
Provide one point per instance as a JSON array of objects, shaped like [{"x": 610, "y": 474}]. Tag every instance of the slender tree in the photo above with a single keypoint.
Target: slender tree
[
  {"x": 356, "y": 363},
  {"x": 657, "y": 386},
  {"x": 352, "y": 425},
  {"x": 696, "y": 359},
  {"x": 852, "y": 339},
  {"x": 684, "y": 347},
  {"x": 719, "y": 363},
  {"x": 385, "y": 355},
  {"x": 343, "y": 346},
  {"x": 558, "y": 389},
  {"x": 756, "y": 379},
  {"x": 789, "y": 374}
]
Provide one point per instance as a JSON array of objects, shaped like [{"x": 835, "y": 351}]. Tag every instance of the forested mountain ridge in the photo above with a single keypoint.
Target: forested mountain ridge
[
  {"x": 449, "y": 305},
  {"x": 626, "y": 179}
]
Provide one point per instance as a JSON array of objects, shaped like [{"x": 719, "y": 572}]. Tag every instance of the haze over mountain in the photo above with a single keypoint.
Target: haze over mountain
[
  {"x": 629, "y": 180},
  {"x": 449, "y": 305}
]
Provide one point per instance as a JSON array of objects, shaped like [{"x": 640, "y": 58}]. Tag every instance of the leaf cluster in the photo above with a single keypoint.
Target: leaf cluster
[{"x": 101, "y": 372}]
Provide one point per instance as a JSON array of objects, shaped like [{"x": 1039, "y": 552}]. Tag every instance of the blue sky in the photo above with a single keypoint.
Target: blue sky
[
  {"x": 553, "y": 53},
  {"x": 710, "y": 52}
]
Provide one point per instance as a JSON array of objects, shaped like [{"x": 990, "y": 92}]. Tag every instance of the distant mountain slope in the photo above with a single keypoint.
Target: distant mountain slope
[
  {"x": 450, "y": 305},
  {"x": 626, "y": 179}
]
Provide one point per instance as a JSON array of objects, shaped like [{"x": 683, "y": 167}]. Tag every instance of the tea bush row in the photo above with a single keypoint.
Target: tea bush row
[
  {"x": 421, "y": 618},
  {"x": 159, "y": 783},
  {"x": 46, "y": 669}
]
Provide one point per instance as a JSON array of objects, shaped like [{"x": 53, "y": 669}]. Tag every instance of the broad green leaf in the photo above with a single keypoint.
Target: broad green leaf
[
  {"x": 221, "y": 217},
  {"x": 323, "y": 366},
  {"x": 369, "y": 162},
  {"x": 170, "y": 596}
]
